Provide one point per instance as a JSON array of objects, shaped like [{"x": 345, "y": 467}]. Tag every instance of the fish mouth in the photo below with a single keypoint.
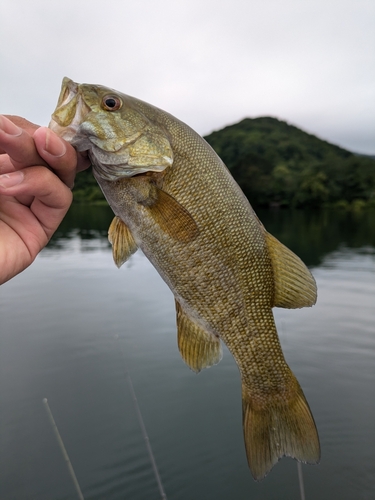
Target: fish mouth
[
  {"x": 70, "y": 112},
  {"x": 118, "y": 145}
]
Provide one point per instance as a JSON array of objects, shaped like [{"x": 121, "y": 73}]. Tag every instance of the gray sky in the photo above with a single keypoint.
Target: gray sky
[{"x": 208, "y": 62}]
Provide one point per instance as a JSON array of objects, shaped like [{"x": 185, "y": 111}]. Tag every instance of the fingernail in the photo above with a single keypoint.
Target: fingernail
[
  {"x": 54, "y": 145},
  {"x": 11, "y": 179},
  {"x": 9, "y": 127}
]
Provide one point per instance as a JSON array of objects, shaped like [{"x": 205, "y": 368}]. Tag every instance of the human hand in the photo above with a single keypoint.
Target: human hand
[{"x": 37, "y": 170}]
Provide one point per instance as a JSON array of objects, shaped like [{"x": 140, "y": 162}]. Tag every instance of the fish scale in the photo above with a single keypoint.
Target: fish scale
[{"x": 174, "y": 198}]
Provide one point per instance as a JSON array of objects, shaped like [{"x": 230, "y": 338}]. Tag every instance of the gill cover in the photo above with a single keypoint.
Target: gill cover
[{"x": 121, "y": 141}]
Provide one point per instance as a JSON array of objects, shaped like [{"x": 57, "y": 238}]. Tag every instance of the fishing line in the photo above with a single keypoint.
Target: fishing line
[
  {"x": 142, "y": 426},
  {"x": 63, "y": 449},
  {"x": 300, "y": 479}
]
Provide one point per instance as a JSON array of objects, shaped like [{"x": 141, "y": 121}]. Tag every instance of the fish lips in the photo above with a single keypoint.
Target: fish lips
[{"x": 79, "y": 120}]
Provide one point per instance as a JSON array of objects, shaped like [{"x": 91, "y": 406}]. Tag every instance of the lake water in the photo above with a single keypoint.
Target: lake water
[{"x": 74, "y": 328}]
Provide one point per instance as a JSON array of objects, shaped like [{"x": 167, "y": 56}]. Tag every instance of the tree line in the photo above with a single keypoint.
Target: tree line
[{"x": 277, "y": 164}]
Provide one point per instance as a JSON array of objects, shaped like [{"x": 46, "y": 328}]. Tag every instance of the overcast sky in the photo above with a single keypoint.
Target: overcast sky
[{"x": 208, "y": 62}]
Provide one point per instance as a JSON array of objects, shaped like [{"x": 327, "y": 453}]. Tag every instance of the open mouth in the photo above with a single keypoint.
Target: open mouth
[{"x": 70, "y": 111}]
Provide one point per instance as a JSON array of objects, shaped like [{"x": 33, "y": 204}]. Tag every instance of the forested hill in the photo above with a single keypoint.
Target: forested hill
[{"x": 277, "y": 164}]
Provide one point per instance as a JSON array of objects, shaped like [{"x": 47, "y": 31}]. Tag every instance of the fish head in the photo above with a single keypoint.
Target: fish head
[{"x": 120, "y": 139}]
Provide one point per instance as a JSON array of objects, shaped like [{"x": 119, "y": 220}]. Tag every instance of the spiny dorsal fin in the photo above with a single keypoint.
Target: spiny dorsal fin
[
  {"x": 199, "y": 348},
  {"x": 172, "y": 217},
  {"x": 122, "y": 241},
  {"x": 294, "y": 284}
]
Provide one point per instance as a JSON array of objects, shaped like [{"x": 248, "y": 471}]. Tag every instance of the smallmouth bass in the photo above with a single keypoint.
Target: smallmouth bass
[{"x": 175, "y": 200}]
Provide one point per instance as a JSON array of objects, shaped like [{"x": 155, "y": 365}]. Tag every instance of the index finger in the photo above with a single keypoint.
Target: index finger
[
  {"x": 23, "y": 123},
  {"x": 19, "y": 122},
  {"x": 18, "y": 144}
]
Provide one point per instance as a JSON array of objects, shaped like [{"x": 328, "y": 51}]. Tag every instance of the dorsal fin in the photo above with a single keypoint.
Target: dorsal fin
[
  {"x": 122, "y": 241},
  {"x": 199, "y": 348},
  {"x": 294, "y": 284}
]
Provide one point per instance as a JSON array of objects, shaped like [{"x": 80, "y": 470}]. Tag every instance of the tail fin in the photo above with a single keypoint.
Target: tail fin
[{"x": 278, "y": 430}]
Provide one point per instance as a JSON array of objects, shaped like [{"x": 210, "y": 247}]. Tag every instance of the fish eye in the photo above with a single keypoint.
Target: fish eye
[{"x": 111, "y": 103}]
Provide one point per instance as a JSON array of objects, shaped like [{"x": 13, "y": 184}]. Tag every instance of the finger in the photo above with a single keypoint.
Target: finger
[
  {"x": 44, "y": 148},
  {"x": 51, "y": 197},
  {"x": 59, "y": 154},
  {"x": 83, "y": 161},
  {"x": 18, "y": 144},
  {"x": 5, "y": 164},
  {"x": 23, "y": 123}
]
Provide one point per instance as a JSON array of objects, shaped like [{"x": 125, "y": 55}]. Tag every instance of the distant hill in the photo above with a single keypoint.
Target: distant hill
[{"x": 277, "y": 164}]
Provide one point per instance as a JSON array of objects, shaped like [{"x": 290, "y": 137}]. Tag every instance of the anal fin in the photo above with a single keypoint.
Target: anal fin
[
  {"x": 122, "y": 241},
  {"x": 294, "y": 284},
  {"x": 199, "y": 348}
]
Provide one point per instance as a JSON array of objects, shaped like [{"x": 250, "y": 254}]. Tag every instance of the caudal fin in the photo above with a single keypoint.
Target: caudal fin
[{"x": 279, "y": 430}]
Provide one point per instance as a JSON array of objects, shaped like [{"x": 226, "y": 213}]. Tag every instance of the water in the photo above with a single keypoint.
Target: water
[{"x": 74, "y": 327}]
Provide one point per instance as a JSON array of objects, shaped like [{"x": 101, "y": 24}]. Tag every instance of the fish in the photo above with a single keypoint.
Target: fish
[{"x": 174, "y": 199}]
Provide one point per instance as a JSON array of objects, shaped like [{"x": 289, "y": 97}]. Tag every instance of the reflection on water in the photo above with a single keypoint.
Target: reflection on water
[
  {"x": 311, "y": 234},
  {"x": 73, "y": 326},
  {"x": 314, "y": 234}
]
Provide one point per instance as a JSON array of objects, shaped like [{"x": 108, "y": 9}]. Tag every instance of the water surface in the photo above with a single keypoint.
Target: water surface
[{"x": 73, "y": 328}]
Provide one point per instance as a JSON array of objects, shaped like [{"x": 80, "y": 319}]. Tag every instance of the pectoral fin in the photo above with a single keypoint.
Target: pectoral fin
[
  {"x": 171, "y": 216},
  {"x": 122, "y": 241},
  {"x": 199, "y": 348},
  {"x": 294, "y": 284}
]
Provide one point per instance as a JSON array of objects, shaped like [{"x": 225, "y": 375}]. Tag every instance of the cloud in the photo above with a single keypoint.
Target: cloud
[{"x": 209, "y": 63}]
